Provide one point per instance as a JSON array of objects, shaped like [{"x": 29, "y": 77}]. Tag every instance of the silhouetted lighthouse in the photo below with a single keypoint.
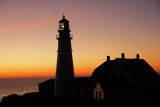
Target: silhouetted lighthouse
[{"x": 65, "y": 71}]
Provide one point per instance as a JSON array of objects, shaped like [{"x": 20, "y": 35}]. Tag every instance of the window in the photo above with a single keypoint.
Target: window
[
  {"x": 61, "y": 26},
  {"x": 98, "y": 92},
  {"x": 98, "y": 95}
]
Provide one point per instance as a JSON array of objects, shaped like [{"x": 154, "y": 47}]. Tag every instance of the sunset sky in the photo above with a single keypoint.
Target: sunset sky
[{"x": 28, "y": 28}]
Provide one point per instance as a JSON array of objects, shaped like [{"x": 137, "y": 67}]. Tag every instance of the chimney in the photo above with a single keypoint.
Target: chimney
[
  {"x": 123, "y": 56},
  {"x": 108, "y": 58},
  {"x": 137, "y": 56}
]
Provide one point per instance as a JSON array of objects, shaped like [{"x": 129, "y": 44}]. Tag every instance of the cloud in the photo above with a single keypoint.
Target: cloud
[{"x": 22, "y": 26}]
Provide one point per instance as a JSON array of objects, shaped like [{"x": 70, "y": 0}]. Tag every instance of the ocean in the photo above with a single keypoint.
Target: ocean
[{"x": 19, "y": 86}]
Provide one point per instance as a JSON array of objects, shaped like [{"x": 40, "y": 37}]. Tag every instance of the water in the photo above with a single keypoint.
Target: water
[{"x": 19, "y": 86}]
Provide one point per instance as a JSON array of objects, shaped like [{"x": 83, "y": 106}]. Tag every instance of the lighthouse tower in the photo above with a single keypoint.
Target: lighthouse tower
[{"x": 64, "y": 71}]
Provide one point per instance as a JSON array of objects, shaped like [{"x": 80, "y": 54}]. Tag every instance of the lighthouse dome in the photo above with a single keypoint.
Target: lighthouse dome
[{"x": 63, "y": 19}]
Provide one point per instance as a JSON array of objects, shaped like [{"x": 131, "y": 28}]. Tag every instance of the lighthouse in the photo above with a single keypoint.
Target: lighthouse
[{"x": 64, "y": 70}]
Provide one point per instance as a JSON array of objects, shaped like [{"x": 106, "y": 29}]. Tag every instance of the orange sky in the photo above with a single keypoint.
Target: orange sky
[{"x": 28, "y": 45}]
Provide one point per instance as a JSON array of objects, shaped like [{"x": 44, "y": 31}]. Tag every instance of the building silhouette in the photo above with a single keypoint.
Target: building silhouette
[
  {"x": 65, "y": 71},
  {"x": 46, "y": 88},
  {"x": 125, "y": 79}
]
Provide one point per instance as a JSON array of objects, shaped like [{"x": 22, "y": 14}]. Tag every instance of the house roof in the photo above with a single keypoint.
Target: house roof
[
  {"x": 125, "y": 72},
  {"x": 47, "y": 82}
]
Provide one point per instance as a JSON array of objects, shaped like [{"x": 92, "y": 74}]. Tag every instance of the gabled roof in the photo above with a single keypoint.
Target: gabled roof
[
  {"x": 47, "y": 82},
  {"x": 125, "y": 72}
]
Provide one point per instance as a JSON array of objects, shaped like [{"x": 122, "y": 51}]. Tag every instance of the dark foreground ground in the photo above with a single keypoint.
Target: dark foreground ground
[{"x": 36, "y": 100}]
